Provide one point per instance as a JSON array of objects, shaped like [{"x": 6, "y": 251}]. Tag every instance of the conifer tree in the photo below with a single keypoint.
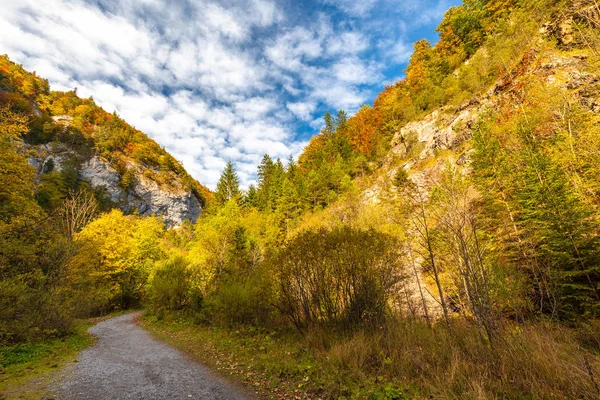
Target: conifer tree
[
  {"x": 329, "y": 128},
  {"x": 251, "y": 198},
  {"x": 228, "y": 187}
]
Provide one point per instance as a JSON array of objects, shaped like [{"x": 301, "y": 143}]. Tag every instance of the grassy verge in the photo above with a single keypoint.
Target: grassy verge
[
  {"x": 26, "y": 369},
  {"x": 272, "y": 364},
  {"x": 405, "y": 360}
]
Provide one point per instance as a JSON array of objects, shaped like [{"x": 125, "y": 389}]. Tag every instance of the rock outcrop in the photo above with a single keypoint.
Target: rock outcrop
[
  {"x": 422, "y": 147},
  {"x": 172, "y": 202}
]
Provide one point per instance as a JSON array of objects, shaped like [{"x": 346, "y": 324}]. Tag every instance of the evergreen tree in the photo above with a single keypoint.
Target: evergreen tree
[
  {"x": 270, "y": 178},
  {"x": 329, "y": 128},
  {"x": 291, "y": 169},
  {"x": 341, "y": 121},
  {"x": 289, "y": 204},
  {"x": 265, "y": 178},
  {"x": 251, "y": 198},
  {"x": 565, "y": 234},
  {"x": 228, "y": 187}
]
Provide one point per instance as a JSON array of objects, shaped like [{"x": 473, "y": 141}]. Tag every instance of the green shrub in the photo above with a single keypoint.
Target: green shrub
[
  {"x": 171, "y": 289},
  {"x": 31, "y": 309},
  {"x": 242, "y": 301}
]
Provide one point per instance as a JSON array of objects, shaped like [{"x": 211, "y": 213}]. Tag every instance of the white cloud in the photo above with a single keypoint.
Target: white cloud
[
  {"x": 213, "y": 80},
  {"x": 302, "y": 109},
  {"x": 353, "y": 71},
  {"x": 401, "y": 52},
  {"x": 353, "y": 7},
  {"x": 224, "y": 22}
]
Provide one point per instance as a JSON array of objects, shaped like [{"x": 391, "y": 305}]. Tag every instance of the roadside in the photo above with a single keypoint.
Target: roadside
[
  {"x": 273, "y": 365},
  {"x": 28, "y": 369}
]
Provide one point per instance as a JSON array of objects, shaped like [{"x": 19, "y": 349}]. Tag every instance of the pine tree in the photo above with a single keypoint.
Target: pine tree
[
  {"x": 289, "y": 204},
  {"x": 329, "y": 128},
  {"x": 565, "y": 233},
  {"x": 291, "y": 169},
  {"x": 251, "y": 198},
  {"x": 341, "y": 121},
  {"x": 265, "y": 178},
  {"x": 228, "y": 187}
]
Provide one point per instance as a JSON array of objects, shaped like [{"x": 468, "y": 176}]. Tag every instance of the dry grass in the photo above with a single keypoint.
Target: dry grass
[
  {"x": 532, "y": 361},
  {"x": 405, "y": 359}
]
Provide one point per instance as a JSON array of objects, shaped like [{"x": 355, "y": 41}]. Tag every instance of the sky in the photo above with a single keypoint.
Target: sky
[{"x": 220, "y": 80}]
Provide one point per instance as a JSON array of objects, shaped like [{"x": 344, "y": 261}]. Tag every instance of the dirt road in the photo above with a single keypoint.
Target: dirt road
[{"x": 128, "y": 363}]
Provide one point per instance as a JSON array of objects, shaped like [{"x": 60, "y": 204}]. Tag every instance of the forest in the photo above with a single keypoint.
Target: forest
[{"x": 454, "y": 279}]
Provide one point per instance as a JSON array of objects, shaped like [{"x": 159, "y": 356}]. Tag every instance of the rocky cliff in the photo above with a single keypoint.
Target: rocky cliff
[
  {"x": 423, "y": 147},
  {"x": 173, "y": 202}
]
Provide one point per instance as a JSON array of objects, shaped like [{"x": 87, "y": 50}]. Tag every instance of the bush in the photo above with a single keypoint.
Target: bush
[
  {"x": 342, "y": 277},
  {"x": 242, "y": 301},
  {"x": 171, "y": 289},
  {"x": 31, "y": 309}
]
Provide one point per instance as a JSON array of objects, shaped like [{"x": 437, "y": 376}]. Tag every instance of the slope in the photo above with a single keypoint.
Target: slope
[{"x": 72, "y": 142}]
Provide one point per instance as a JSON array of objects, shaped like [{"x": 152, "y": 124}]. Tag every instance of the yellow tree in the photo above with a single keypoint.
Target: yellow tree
[{"x": 127, "y": 246}]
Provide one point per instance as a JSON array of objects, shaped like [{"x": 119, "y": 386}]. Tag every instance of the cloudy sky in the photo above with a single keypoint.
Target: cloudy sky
[{"x": 218, "y": 80}]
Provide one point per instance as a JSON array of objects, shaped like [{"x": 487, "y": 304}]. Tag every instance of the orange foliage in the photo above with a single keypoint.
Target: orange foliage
[
  {"x": 449, "y": 42},
  {"x": 362, "y": 129},
  {"x": 316, "y": 143}
]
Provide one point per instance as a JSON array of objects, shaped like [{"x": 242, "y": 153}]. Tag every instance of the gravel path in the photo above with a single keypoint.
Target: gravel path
[{"x": 128, "y": 363}]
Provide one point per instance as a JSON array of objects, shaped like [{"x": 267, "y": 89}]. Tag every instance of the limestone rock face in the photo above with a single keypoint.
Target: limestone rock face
[
  {"x": 100, "y": 174},
  {"x": 174, "y": 205},
  {"x": 423, "y": 147},
  {"x": 437, "y": 131},
  {"x": 172, "y": 202}
]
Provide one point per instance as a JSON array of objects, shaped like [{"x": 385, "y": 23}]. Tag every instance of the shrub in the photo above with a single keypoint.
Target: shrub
[
  {"x": 242, "y": 301},
  {"x": 343, "y": 277},
  {"x": 170, "y": 288},
  {"x": 31, "y": 309}
]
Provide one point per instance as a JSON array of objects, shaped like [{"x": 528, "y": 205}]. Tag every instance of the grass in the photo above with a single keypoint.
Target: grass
[
  {"x": 26, "y": 369},
  {"x": 402, "y": 361},
  {"x": 272, "y": 364}
]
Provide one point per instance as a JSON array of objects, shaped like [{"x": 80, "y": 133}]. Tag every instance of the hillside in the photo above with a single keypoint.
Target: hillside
[
  {"x": 72, "y": 142},
  {"x": 440, "y": 243}
]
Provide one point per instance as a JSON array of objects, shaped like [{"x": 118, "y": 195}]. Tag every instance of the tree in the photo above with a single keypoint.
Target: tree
[
  {"x": 421, "y": 222},
  {"x": 228, "y": 187},
  {"x": 127, "y": 248},
  {"x": 270, "y": 179},
  {"x": 341, "y": 121},
  {"x": 16, "y": 175},
  {"x": 251, "y": 198},
  {"x": 465, "y": 248},
  {"x": 289, "y": 204},
  {"x": 77, "y": 210},
  {"x": 329, "y": 128},
  {"x": 362, "y": 130}
]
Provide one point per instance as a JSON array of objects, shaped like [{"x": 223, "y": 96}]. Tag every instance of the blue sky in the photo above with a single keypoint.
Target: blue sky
[{"x": 219, "y": 80}]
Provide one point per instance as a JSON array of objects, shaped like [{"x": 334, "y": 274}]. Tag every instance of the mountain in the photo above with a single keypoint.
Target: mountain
[
  {"x": 72, "y": 142},
  {"x": 440, "y": 243},
  {"x": 491, "y": 140}
]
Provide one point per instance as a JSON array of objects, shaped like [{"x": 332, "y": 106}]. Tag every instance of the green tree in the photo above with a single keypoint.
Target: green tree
[
  {"x": 251, "y": 197},
  {"x": 228, "y": 187}
]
